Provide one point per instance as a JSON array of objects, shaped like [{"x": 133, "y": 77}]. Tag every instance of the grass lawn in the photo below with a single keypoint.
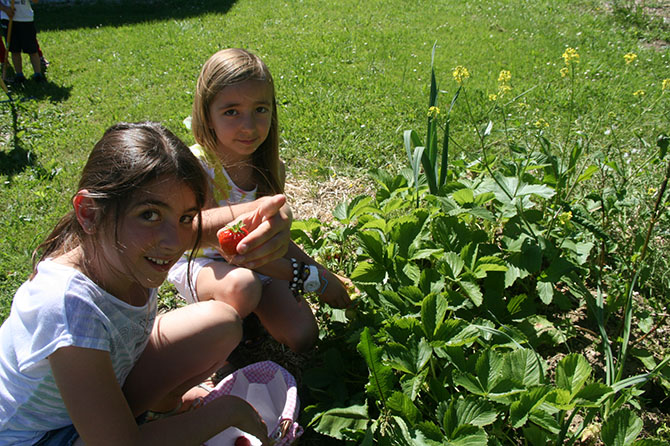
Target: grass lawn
[{"x": 351, "y": 76}]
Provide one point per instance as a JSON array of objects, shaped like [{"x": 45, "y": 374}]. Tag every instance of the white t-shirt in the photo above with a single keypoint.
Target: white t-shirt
[
  {"x": 60, "y": 307},
  {"x": 23, "y": 11}
]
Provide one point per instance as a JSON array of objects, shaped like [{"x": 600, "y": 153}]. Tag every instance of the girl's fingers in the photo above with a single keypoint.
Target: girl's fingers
[{"x": 270, "y": 233}]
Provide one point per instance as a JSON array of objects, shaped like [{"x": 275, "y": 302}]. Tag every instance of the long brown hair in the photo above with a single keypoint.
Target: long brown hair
[
  {"x": 127, "y": 157},
  {"x": 228, "y": 67}
]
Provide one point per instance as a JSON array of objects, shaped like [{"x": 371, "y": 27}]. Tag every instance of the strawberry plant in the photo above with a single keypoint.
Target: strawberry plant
[{"x": 466, "y": 273}]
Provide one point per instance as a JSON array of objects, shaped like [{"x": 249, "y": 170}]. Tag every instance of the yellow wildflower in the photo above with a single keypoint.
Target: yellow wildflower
[
  {"x": 565, "y": 71},
  {"x": 651, "y": 190},
  {"x": 493, "y": 97},
  {"x": 504, "y": 77},
  {"x": 460, "y": 73},
  {"x": 565, "y": 217},
  {"x": 666, "y": 84},
  {"x": 541, "y": 123},
  {"x": 570, "y": 55},
  {"x": 639, "y": 93},
  {"x": 433, "y": 112},
  {"x": 504, "y": 89},
  {"x": 630, "y": 58}
]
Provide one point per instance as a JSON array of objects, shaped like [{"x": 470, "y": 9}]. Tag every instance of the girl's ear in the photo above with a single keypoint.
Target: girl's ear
[{"x": 85, "y": 210}]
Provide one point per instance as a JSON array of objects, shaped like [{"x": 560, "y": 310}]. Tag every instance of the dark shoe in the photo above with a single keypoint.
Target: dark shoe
[
  {"x": 19, "y": 79},
  {"x": 39, "y": 77}
]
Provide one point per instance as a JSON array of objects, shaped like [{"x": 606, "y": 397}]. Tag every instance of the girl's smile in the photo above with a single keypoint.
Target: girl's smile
[{"x": 241, "y": 115}]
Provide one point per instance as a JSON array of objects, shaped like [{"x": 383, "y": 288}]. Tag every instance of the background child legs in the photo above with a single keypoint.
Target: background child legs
[
  {"x": 187, "y": 345},
  {"x": 288, "y": 321}
]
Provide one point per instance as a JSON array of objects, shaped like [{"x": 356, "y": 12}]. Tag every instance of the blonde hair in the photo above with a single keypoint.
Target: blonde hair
[{"x": 229, "y": 67}]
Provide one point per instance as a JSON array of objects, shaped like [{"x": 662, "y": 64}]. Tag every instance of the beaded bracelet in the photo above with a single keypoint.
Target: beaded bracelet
[{"x": 300, "y": 273}]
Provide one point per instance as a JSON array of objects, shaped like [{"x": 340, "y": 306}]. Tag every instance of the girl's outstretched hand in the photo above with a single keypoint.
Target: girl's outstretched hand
[
  {"x": 336, "y": 292},
  {"x": 269, "y": 233}
]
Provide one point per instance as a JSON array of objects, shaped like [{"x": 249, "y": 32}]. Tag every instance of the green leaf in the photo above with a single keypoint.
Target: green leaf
[
  {"x": 393, "y": 302},
  {"x": 334, "y": 421},
  {"x": 592, "y": 395},
  {"x": 650, "y": 442},
  {"x": 456, "y": 333},
  {"x": 401, "y": 357},
  {"x": 572, "y": 372},
  {"x": 382, "y": 380},
  {"x": 521, "y": 409},
  {"x": 400, "y": 404},
  {"x": 540, "y": 190},
  {"x": 470, "y": 383},
  {"x": 490, "y": 263},
  {"x": 546, "y": 291},
  {"x": 535, "y": 436},
  {"x": 345, "y": 212},
  {"x": 587, "y": 174},
  {"x": 366, "y": 272},
  {"x": 455, "y": 264},
  {"x": 488, "y": 368},
  {"x": 372, "y": 244},
  {"x": 410, "y": 357},
  {"x": 545, "y": 421},
  {"x": 560, "y": 399},
  {"x": 413, "y": 385},
  {"x": 464, "y": 196},
  {"x": 475, "y": 411},
  {"x": 523, "y": 367},
  {"x": 468, "y": 435},
  {"x": 473, "y": 291},
  {"x": 621, "y": 428},
  {"x": 433, "y": 310}
]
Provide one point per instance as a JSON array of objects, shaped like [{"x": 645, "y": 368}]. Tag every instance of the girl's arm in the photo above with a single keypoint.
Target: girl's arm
[
  {"x": 101, "y": 415},
  {"x": 335, "y": 292},
  {"x": 268, "y": 220}
]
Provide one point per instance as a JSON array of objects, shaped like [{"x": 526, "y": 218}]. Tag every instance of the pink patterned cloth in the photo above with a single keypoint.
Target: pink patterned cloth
[{"x": 279, "y": 397}]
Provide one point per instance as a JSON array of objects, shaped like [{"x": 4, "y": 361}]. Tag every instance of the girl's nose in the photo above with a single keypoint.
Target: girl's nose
[
  {"x": 249, "y": 121},
  {"x": 170, "y": 237}
]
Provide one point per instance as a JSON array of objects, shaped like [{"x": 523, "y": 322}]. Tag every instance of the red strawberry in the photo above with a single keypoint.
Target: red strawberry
[
  {"x": 230, "y": 236},
  {"x": 242, "y": 441}
]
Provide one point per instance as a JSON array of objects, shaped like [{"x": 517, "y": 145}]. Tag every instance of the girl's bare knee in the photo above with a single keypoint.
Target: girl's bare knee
[
  {"x": 303, "y": 340},
  {"x": 241, "y": 289}
]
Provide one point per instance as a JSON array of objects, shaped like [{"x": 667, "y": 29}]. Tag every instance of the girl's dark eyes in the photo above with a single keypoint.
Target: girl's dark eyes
[
  {"x": 187, "y": 219},
  {"x": 150, "y": 215},
  {"x": 262, "y": 110}
]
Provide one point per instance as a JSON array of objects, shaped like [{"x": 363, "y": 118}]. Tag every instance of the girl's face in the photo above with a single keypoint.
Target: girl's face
[
  {"x": 155, "y": 230},
  {"x": 241, "y": 115}
]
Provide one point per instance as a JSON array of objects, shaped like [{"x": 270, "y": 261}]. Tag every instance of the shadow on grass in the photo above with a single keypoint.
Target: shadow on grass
[
  {"x": 60, "y": 16},
  {"x": 14, "y": 159}
]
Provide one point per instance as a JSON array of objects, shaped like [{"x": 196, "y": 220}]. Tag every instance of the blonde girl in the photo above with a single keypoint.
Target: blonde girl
[
  {"x": 234, "y": 122},
  {"x": 83, "y": 353}
]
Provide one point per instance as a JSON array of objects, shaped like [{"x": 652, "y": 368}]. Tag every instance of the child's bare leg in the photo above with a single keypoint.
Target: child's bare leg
[
  {"x": 238, "y": 287},
  {"x": 289, "y": 321},
  {"x": 17, "y": 61},
  {"x": 186, "y": 346},
  {"x": 35, "y": 62}
]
